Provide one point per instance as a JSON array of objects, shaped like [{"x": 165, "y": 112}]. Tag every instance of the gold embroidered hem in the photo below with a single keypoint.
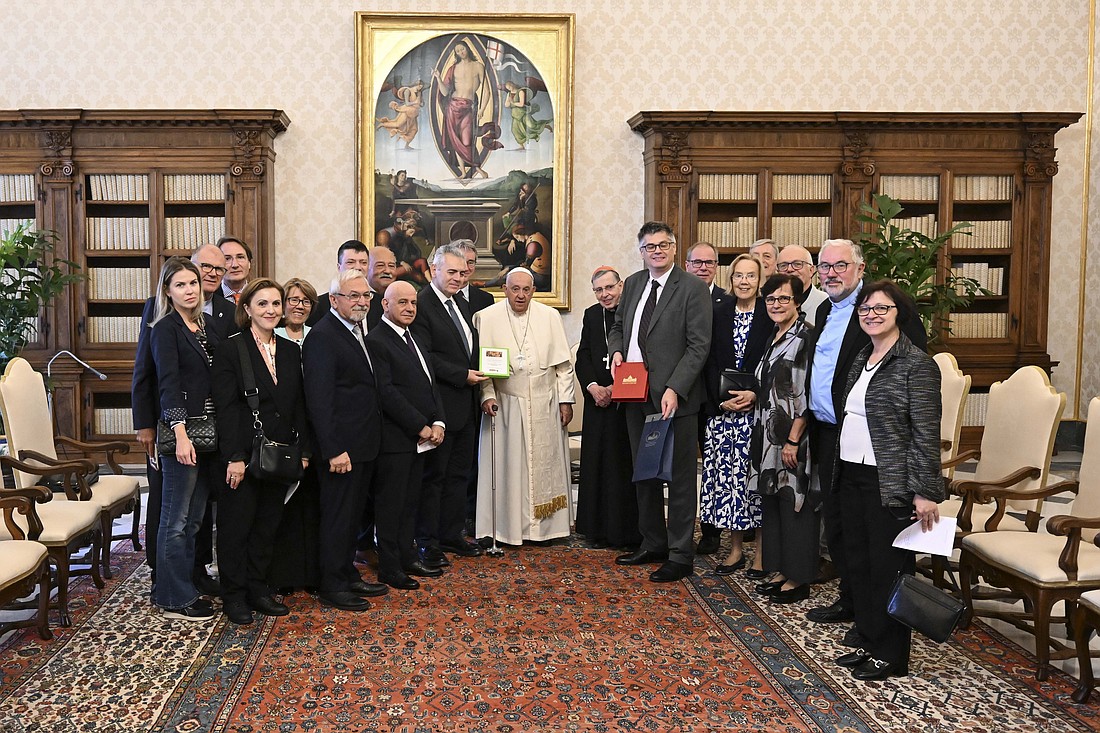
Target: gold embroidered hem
[{"x": 542, "y": 511}]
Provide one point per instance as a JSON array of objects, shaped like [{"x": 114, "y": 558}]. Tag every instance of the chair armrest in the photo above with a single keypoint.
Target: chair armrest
[
  {"x": 1071, "y": 527},
  {"x": 965, "y": 486},
  {"x": 963, "y": 457},
  {"x": 985, "y": 492},
  {"x": 50, "y": 461},
  {"x": 67, "y": 469},
  {"x": 109, "y": 448},
  {"x": 1062, "y": 524},
  {"x": 23, "y": 501}
]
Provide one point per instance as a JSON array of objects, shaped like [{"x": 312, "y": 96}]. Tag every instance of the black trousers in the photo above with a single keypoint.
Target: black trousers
[
  {"x": 248, "y": 521},
  {"x": 396, "y": 499},
  {"x": 824, "y": 440},
  {"x": 790, "y": 540},
  {"x": 442, "y": 513},
  {"x": 342, "y": 498},
  {"x": 869, "y": 532},
  {"x": 204, "y": 540}
]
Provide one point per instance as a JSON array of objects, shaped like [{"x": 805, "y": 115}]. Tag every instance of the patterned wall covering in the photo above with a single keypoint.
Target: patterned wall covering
[{"x": 928, "y": 55}]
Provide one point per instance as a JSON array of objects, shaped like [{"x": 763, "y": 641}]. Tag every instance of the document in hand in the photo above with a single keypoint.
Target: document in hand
[
  {"x": 655, "y": 450},
  {"x": 940, "y": 541}
]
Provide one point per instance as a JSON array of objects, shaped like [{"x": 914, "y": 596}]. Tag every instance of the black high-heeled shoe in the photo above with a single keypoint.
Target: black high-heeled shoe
[
  {"x": 754, "y": 574},
  {"x": 731, "y": 568},
  {"x": 770, "y": 588}
]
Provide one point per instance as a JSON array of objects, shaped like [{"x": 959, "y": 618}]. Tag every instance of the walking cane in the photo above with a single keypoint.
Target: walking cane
[{"x": 494, "y": 551}]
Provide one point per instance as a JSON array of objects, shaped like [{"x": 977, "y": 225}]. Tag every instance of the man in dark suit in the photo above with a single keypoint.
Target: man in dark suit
[
  {"x": 352, "y": 255},
  {"x": 664, "y": 320},
  {"x": 702, "y": 261},
  {"x": 451, "y": 342},
  {"x": 412, "y": 420},
  {"x": 238, "y": 263},
  {"x": 145, "y": 408},
  {"x": 342, "y": 401},
  {"x": 838, "y": 340}
]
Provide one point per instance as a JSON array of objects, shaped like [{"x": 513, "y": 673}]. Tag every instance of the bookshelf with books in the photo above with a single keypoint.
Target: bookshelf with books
[
  {"x": 814, "y": 169},
  {"x": 124, "y": 190}
]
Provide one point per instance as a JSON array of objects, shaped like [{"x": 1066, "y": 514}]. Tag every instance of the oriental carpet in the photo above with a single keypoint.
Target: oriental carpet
[{"x": 543, "y": 639}]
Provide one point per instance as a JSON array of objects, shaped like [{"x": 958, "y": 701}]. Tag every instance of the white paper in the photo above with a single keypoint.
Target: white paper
[
  {"x": 426, "y": 446},
  {"x": 939, "y": 541},
  {"x": 290, "y": 491}
]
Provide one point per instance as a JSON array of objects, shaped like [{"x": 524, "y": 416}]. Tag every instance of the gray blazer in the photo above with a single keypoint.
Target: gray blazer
[{"x": 679, "y": 336}]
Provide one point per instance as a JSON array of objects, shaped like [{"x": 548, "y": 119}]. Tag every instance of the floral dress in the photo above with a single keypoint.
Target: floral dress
[{"x": 726, "y": 500}]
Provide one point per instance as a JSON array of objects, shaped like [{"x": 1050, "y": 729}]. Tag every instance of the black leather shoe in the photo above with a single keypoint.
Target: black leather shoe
[
  {"x": 462, "y": 548},
  {"x": 420, "y": 570},
  {"x": 876, "y": 669},
  {"x": 268, "y": 606},
  {"x": 754, "y": 574},
  {"x": 433, "y": 557},
  {"x": 708, "y": 545},
  {"x": 833, "y": 614},
  {"x": 731, "y": 568},
  {"x": 641, "y": 557},
  {"x": 238, "y": 612},
  {"x": 671, "y": 571},
  {"x": 852, "y": 638},
  {"x": 363, "y": 589},
  {"x": 205, "y": 585},
  {"x": 792, "y": 595},
  {"x": 401, "y": 581},
  {"x": 770, "y": 588},
  {"x": 853, "y": 659},
  {"x": 344, "y": 600}
]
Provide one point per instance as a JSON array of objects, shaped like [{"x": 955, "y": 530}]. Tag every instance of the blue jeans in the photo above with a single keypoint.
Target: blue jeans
[{"x": 182, "y": 507}]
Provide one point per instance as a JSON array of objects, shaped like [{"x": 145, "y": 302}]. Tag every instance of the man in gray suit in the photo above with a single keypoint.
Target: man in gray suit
[{"x": 664, "y": 320}]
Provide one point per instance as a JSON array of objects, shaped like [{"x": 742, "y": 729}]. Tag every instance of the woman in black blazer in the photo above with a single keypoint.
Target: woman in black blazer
[
  {"x": 182, "y": 347},
  {"x": 250, "y": 511}
]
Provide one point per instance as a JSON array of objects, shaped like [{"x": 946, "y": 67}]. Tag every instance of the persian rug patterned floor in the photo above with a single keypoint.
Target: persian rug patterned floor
[{"x": 545, "y": 639}]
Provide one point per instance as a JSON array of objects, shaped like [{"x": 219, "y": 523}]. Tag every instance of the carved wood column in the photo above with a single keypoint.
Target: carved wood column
[
  {"x": 1034, "y": 259},
  {"x": 674, "y": 174},
  {"x": 250, "y": 199},
  {"x": 856, "y": 172}
]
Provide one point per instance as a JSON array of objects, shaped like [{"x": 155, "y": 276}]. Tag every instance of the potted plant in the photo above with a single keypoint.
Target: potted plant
[{"x": 911, "y": 258}]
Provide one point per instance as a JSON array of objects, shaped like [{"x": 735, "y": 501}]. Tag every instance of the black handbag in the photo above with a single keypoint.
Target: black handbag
[
  {"x": 270, "y": 461},
  {"x": 924, "y": 607},
  {"x": 202, "y": 430},
  {"x": 738, "y": 381}
]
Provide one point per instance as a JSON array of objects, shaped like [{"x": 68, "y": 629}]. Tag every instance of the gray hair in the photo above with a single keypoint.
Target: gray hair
[
  {"x": 343, "y": 278},
  {"x": 455, "y": 249},
  {"x": 762, "y": 242},
  {"x": 697, "y": 245},
  {"x": 464, "y": 244},
  {"x": 857, "y": 251}
]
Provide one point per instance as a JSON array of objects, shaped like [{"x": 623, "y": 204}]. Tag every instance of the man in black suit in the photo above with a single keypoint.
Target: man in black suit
[
  {"x": 839, "y": 339},
  {"x": 412, "y": 420},
  {"x": 451, "y": 342},
  {"x": 664, "y": 320},
  {"x": 238, "y": 264},
  {"x": 342, "y": 401},
  {"x": 145, "y": 408},
  {"x": 702, "y": 261},
  {"x": 352, "y": 255}
]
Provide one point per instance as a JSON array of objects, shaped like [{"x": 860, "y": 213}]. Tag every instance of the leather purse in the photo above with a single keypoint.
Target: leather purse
[
  {"x": 202, "y": 430},
  {"x": 738, "y": 381},
  {"x": 924, "y": 607},
  {"x": 270, "y": 461}
]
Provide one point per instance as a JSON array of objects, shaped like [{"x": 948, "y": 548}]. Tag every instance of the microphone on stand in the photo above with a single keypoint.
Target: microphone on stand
[{"x": 78, "y": 360}]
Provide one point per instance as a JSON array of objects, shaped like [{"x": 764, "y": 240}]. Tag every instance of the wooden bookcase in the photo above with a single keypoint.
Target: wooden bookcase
[
  {"x": 800, "y": 177},
  {"x": 125, "y": 190}
]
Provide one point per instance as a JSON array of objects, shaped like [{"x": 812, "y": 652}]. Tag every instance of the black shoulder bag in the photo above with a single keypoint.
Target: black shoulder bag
[{"x": 270, "y": 461}]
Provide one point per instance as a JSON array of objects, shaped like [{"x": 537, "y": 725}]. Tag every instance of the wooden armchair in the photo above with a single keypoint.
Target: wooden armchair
[
  {"x": 954, "y": 388},
  {"x": 31, "y": 440},
  {"x": 24, "y": 562},
  {"x": 1086, "y": 619},
  {"x": 1041, "y": 568}
]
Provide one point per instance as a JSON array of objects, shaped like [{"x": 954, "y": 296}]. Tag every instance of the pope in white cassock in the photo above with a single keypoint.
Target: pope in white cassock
[{"x": 531, "y": 408}]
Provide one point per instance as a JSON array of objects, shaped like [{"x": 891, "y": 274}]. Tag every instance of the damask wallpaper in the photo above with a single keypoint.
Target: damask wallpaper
[{"x": 927, "y": 55}]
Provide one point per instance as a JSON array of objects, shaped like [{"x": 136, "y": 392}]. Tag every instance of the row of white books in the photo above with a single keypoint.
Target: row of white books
[
  {"x": 809, "y": 231},
  {"x": 16, "y": 188},
  {"x": 194, "y": 187},
  {"x": 113, "y": 421},
  {"x": 910, "y": 188},
  {"x": 7, "y": 226},
  {"x": 116, "y": 233},
  {"x": 118, "y": 187},
  {"x": 975, "y": 409},
  {"x": 986, "y": 235},
  {"x": 802, "y": 187},
  {"x": 990, "y": 278},
  {"x": 926, "y": 224},
  {"x": 113, "y": 329},
  {"x": 727, "y": 186},
  {"x": 188, "y": 232},
  {"x": 979, "y": 325},
  {"x": 740, "y": 233},
  {"x": 984, "y": 188},
  {"x": 118, "y": 283}
]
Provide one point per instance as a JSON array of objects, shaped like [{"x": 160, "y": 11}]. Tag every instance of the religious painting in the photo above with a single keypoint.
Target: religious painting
[{"x": 465, "y": 132}]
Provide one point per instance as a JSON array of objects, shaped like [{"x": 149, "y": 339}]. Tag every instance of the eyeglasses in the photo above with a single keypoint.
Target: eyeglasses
[
  {"x": 654, "y": 246},
  {"x": 299, "y": 301},
  {"x": 744, "y": 276},
  {"x": 702, "y": 263},
  {"x": 796, "y": 266},
  {"x": 879, "y": 309},
  {"x": 781, "y": 299},
  {"x": 838, "y": 267},
  {"x": 219, "y": 271},
  {"x": 606, "y": 288},
  {"x": 357, "y": 297}
]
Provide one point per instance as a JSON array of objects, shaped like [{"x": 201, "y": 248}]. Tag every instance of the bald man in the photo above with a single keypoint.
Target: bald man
[{"x": 796, "y": 260}]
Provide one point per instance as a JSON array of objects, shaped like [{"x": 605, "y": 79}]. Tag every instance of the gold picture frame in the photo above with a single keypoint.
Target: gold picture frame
[{"x": 465, "y": 131}]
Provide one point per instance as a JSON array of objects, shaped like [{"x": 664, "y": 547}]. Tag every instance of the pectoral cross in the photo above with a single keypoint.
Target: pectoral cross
[{"x": 607, "y": 362}]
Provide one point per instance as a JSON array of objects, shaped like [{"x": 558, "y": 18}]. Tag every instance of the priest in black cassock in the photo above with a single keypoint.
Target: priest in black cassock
[{"x": 607, "y": 503}]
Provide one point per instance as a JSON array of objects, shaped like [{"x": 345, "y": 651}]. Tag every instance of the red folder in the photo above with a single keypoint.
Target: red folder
[{"x": 631, "y": 383}]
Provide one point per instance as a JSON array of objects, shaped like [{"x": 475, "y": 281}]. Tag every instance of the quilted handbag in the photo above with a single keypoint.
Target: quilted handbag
[{"x": 202, "y": 430}]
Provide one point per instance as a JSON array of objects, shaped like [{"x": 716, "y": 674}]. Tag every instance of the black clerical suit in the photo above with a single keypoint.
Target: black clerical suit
[
  {"x": 410, "y": 401},
  {"x": 342, "y": 403}
]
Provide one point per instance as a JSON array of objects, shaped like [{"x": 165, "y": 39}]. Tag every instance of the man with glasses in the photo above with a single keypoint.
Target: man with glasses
[
  {"x": 351, "y": 255},
  {"x": 796, "y": 260},
  {"x": 664, "y": 320},
  {"x": 767, "y": 252},
  {"x": 838, "y": 340},
  {"x": 237, "y": 258}
]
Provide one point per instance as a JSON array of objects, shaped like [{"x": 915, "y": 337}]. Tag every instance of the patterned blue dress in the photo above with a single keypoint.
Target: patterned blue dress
[{"x": 726, "y": 500}]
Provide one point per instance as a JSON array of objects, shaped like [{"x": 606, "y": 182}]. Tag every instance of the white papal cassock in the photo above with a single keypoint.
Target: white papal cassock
[{"x": 532, "y": 455}]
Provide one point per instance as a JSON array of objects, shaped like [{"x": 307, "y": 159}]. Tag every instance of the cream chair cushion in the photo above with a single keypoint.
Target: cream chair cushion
[
  {"x": 1091, "y": 600},
  {"x": 20, "y": 559},
  {"x": 1032, "y": 556},
  {"x": 109, "y": 491},
  {"x": 61, "y": 521},
  {"x": 954, "y": 387}
]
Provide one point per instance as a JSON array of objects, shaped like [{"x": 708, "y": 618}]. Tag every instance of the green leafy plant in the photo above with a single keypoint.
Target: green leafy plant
[
  {"x": 30, "y": 277},
  {"x": 910, "y": 259}
]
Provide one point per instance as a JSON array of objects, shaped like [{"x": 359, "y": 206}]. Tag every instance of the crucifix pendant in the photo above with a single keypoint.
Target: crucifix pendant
[{"x": 607, "y": 361}]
